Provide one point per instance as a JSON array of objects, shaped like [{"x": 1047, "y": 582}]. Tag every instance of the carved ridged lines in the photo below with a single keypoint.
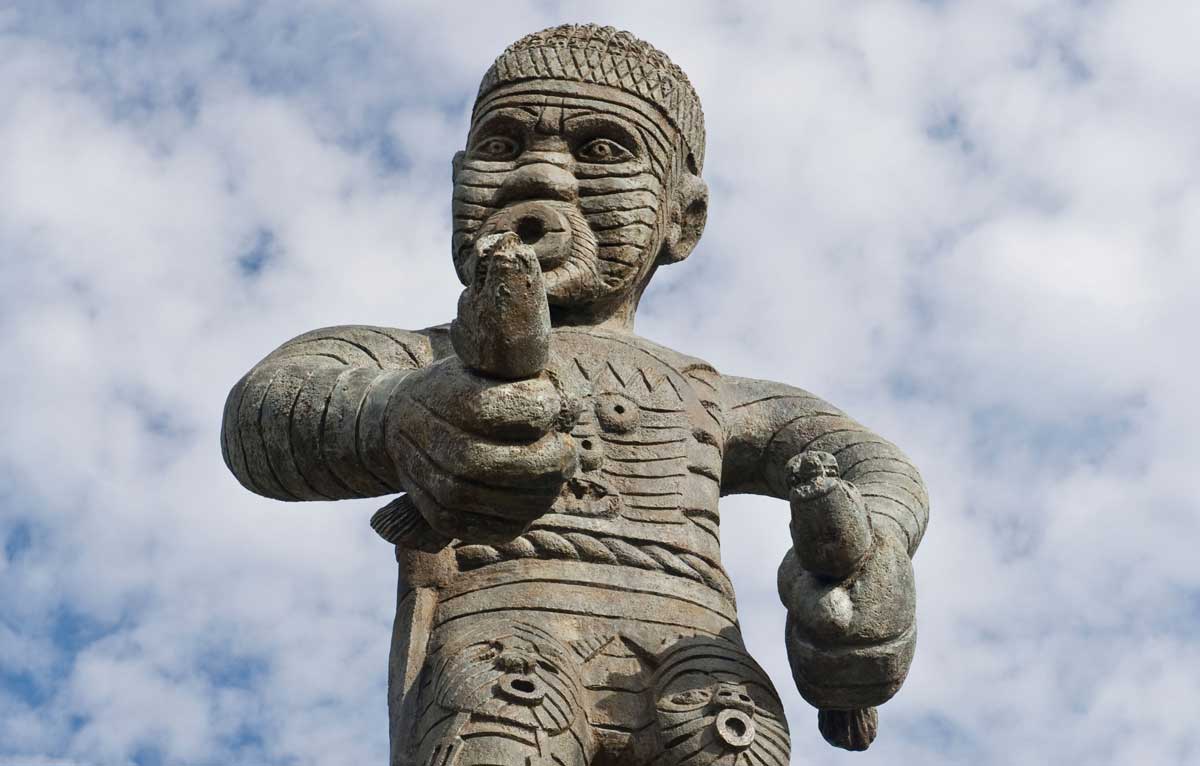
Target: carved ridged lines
[
  {"x": 889, "y": 483},
  {"x": 579, "y": 546},
  {"x": 690, "y": 740},
  {"x": 294, "y": 428},
  {"x": 642, "y": 77},
  {"x": 462, "y": 690},
  {"x": 621, "y": 210},
  {"x": 659, "y": 138}
]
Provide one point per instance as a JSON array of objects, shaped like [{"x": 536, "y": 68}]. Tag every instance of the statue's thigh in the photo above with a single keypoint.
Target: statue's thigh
[
  {"x": 502, "y": 692},
  {"x": 714, "y": 704}
]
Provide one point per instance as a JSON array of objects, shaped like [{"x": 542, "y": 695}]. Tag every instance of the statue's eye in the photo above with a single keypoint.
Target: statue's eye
[
  {"x": 497, "y": 148},
  {"x": 603, "y": 150}
]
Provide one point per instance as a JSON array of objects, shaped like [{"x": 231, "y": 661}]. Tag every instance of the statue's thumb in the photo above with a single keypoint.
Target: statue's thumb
[
  {"x": 503, "y": 324},
  {"x": 849, "y": 729}
]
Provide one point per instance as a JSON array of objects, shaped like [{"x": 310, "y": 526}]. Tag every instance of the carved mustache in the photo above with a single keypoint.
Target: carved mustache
[
  {"x": 619, "y": 213},
  {"x": 564, "y": 242}
]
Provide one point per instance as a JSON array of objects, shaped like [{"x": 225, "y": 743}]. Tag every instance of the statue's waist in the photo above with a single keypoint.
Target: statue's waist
[
  {"x": 586, "y": 589},
  {"x": 607, "y": 539},
  {"x": 675, "y": 546}
]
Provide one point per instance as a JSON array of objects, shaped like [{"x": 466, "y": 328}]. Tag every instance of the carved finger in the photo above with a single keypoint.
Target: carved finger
[
  {"x": 877, "y": 605},
  {"x": 848, "y": 676},
  {"x": 542, "y": 464},
  {"x": 522, "y": 410},
  {"x": 831, "y": 530},
  {"x": 503, "y": 324},
  {"x": 812, "y": 473},
  {"x": 465, "y": 525},
  {"x": 460, "y": 494},
  {"x": 455, "y": 487},
  {"x": 810, "y": 465}
]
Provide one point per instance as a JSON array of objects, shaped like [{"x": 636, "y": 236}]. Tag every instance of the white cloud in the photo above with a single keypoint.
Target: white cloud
[{"x": 972, "y": 225}]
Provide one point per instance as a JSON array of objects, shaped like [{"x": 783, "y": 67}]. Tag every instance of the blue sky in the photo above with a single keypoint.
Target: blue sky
[{"x": 972, "y": 225}]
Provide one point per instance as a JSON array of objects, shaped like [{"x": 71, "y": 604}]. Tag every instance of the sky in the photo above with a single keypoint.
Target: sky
[{"x": 972, "y": 225}]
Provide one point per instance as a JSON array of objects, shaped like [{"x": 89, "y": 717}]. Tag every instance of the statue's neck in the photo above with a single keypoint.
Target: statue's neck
[{"x": 618, "y": 318}]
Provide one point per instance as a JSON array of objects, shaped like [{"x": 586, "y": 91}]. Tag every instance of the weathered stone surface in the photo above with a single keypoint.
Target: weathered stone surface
[{"x": 561, "y": 595}]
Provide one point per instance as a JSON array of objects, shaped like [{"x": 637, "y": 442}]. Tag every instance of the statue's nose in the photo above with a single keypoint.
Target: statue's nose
[
  {"x": 515, "y": 662},
  {"x": 539, "y": 179},
  {"x": 734, "y": 696}
]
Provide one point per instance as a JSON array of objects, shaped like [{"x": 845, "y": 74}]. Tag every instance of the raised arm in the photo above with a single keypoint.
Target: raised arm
[
  {"x": 464, "y": 419},
  {"x": 306, "y": 423},
  {"x": 859, "y": 510}
]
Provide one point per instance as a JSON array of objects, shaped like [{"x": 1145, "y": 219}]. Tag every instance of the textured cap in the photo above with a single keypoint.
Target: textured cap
[{"x": 605, "y": 56}]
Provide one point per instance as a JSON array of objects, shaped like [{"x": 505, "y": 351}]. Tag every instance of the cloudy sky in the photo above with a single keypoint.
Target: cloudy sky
[{"x": 973, "y": 225}]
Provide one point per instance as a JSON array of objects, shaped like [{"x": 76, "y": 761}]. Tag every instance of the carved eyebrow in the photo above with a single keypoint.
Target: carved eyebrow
[
  {"x": 646, "y": 135},
  {"x": 626, "y": 106},
  {"x": 526, "y": 98},
  {"x": 507, "y": 120},
  {"x": 599, "y": 122},
  {"x": 585, "y": 120}
]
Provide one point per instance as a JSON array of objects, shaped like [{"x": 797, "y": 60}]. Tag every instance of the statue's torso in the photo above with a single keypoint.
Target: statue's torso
[
  {"x": 620, "y": 581},
  {"x": 634, "y": 538},
  {"x": 645, "y": 497}
]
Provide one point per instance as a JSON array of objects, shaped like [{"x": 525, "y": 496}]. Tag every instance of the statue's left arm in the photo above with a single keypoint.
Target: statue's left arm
[{"x": 859, "y": 511}]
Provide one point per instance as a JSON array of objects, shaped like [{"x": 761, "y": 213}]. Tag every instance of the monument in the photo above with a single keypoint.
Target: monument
[{"x": 561, "y": 598}]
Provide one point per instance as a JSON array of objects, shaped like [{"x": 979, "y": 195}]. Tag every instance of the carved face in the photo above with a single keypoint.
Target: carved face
[
  {"x": 594, "y": 179},
  {"x": 509, "y": 673}
]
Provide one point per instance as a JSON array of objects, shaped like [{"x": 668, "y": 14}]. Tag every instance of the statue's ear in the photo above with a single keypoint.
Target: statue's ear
[
  {"x": 456, "y": 166},
  {"x": 689, "y": 212}
]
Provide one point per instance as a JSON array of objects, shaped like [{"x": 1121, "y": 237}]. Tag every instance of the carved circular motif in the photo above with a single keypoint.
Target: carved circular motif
[
  {"x": 735, "y": 728},
  {"x": 617, "y": 413},
  {"x": 591, "y": 452},
  {"x": 542, "y": 225},
  {"x": 523, "y": 689},
  {"x": 509, "y": 672}
]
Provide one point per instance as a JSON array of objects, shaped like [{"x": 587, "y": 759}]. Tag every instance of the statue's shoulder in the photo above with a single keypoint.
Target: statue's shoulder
[
  {"x": 370, "y": 345},
  {"x": 702, "y": 376},
  {"x": 704, "y": 381},
  {"x": 685, "y": 364},
  {"x": 438, "y": 338}
]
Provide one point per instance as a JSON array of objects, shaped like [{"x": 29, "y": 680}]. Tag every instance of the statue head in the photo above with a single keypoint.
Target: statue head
[{"x": 588, "y": 144}]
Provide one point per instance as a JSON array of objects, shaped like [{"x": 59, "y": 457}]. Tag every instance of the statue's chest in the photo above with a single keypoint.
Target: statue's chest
[
  {"x": 650, "y": 451},
  {"x": 635, "y": 433}
]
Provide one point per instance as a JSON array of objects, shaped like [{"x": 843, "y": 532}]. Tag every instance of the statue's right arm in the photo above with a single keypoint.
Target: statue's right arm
[{"x": 307, "y": 422}]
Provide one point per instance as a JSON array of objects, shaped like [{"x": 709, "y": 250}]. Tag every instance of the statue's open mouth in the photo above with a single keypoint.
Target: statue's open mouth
[
  {"x": 560, "y": 237},
  {"x": 549, "y": 227}
]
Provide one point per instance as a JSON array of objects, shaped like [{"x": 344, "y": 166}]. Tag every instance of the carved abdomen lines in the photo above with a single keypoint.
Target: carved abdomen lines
[{"x": 579, "y": 546}]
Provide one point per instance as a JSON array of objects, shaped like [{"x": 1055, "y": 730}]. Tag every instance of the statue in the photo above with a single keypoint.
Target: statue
[{"x": 561, "y": 596}]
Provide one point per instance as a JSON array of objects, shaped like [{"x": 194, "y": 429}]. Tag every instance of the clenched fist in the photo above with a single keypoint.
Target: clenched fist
[
  {"x": 851, "y": 603},
  {"x": 480, "y": 440}
]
